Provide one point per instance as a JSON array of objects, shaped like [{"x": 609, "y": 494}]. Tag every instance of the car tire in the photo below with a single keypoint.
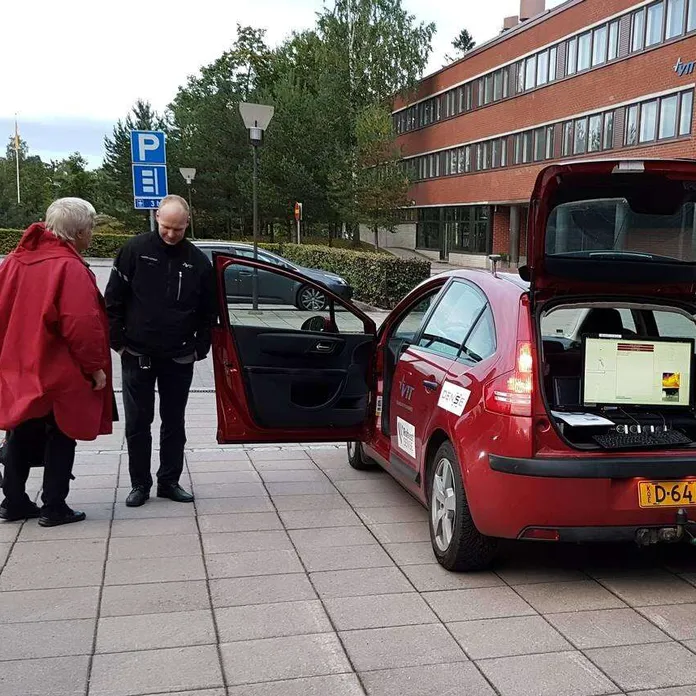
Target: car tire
[
  {"x": 358, "y": 459},
  {"x": 457, "y": 543},
  {"x": 309, "y": 299}
]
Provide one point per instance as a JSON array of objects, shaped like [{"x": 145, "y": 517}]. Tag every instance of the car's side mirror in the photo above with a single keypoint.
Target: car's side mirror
[{"x": 315, "y": 324}]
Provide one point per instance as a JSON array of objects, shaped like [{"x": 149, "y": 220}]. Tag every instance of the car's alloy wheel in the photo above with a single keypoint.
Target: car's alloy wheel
[
  {"x": 457, "y": 543},
  {"x": 312, "y": 300},
  {"x": 358, "y": 459}
]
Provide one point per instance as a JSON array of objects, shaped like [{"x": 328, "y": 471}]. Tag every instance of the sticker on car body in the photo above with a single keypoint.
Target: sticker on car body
[
  {"x": 453, "y": 398},
  {"x": 406, "y": 436},
  {"x": 378, "y": 406}
]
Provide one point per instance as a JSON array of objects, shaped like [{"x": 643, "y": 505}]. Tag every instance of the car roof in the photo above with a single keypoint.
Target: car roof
[{"x": 486, "y": 276}]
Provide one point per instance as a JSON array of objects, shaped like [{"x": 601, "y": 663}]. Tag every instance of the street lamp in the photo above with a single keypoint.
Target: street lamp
[
  {"x": 256, "y": 118},
  {"x": 189, "y": 173}
]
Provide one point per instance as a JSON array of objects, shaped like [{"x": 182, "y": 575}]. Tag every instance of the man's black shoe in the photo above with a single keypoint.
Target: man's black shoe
[
  {"x": 26, "y": 512},
  {"x": 68, "y": 516},
  {"x": 137, "y": 497},
  {"x": 174, "y": 492}
]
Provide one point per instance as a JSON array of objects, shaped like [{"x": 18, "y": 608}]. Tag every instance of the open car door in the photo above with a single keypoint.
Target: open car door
[{"x": 287, "y": 375}]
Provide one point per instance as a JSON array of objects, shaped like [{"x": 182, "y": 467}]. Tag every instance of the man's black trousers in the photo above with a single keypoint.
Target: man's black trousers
[{"x": 173, "y": 382}]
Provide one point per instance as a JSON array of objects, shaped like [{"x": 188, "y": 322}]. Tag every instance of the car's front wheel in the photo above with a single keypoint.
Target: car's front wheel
[
  {"x": 311, "y": 300},
  {"x": 358, "y": 459},
  {"x": 457, "y": 543}
]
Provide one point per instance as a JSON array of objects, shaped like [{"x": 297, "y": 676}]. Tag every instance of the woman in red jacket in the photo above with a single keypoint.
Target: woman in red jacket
[{"x": 55, "y": 364}]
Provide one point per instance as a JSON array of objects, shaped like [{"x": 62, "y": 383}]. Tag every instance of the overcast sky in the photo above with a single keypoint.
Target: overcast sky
[{"x": 76, "y": 66}]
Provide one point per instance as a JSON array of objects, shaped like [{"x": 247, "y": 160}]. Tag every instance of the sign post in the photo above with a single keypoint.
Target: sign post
[
  {"x": 189, "y": 174},
  {"x": 298, "y": 219},
  {"x": 149, "y": 166}
]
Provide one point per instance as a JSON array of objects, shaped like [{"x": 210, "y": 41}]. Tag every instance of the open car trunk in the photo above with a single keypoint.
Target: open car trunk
[{"x": 618, "y": 367}]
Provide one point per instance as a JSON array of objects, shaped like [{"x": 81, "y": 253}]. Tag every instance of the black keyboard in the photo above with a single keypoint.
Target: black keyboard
[{"x": 664, "y": 438}]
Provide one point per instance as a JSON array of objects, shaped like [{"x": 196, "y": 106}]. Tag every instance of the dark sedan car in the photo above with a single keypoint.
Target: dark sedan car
[{"x": 272, "y": 290}]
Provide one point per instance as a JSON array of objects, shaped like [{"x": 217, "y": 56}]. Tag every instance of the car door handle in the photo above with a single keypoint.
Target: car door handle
[
  {"x": 323, "y": 347},
  {"x": 430, "y": 384}
]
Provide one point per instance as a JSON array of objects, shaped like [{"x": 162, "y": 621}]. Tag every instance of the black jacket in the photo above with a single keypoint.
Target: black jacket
[{"x": 161, "y": 299}]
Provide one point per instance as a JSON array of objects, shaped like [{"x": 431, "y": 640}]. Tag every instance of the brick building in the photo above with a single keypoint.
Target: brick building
[{"x": 590, "y": 78}]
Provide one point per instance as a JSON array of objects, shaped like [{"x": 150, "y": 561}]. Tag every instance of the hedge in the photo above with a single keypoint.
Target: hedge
[{"x": 380, "y": 280}]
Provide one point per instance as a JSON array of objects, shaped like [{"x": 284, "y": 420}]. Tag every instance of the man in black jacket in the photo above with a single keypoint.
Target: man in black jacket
[{"x": 161, "y": 305}]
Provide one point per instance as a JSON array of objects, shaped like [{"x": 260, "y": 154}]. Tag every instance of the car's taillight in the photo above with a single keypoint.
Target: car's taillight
[{"x": 511, "y": 392}]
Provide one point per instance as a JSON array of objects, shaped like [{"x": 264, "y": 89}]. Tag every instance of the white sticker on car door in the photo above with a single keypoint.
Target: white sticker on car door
[
  {"x": 453, "y": 398},
  {"x": 406, "y": 436}
]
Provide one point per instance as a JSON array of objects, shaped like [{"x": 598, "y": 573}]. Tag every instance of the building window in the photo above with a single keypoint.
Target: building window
[
  {"x": 638, "y": 30},
  {"x": 518, "y": 149},
  {"x": 675, "y": 18},
  {"x": 495, "y": 160},
  {"x": 553, "y": 60},
  {"x": 506, "y": 83},
  {"x": 550, "y": 138},
  {"x": 584, "y": 48},
  {"x": 631, "y": 137},
  {"x": 580, "y": 140},
  {"x": 613, "y": 50},
  {"x": 542, "y": 68},
  {"x": 599, "y": 46},
  {"x": 648, "y": 122},
  {"x": 572, "y": 57},
  {"x": 567, "y": 138},
  {"x": 669, "y": 106},
  {"x": 489, "y": 89},
  {"x": 539, "y": 145},
  {"x": 467, "y": 94},
  {"x": 530, "y": 73},
  {"x": 467, "y": 153},
  {"x": 503, "y": 152},
  {"x": 481, "y": 91},
  {"x": 527, "y": 147},
  {"x": 691, "y": 16},
  {"x": 609, "y": 130},
  {"x": 520, "y": 76},
  {"x": 485, "y": 154},
  {"x": 497, "y": 85},
  {"x": 687, "y": 106},
  {"x": 656, "y": 14}
]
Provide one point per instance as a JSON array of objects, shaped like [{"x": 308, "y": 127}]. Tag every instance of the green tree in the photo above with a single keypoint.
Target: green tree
[
  {"x": 70, "y": 177},
  {"x": 464, "y": 42}
]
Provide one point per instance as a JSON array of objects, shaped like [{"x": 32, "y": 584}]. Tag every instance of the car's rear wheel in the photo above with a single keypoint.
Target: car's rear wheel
[
  {"x": 311, "y": 300},
  {"x": 457, "y": 543},
  {"x": 358, "y": 459}
]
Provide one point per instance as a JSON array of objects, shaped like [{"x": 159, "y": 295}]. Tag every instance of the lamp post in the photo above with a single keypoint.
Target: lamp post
[
  {"x": 256, "y": 118},
  {"x": 189, "y": 174}
]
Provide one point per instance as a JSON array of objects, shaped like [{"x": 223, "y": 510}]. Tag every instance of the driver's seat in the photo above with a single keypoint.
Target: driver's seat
[{"x": 602, "y": 320}]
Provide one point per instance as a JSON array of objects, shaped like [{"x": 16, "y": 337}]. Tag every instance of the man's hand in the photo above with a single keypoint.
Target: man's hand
[{"x": 99, "y": 379}]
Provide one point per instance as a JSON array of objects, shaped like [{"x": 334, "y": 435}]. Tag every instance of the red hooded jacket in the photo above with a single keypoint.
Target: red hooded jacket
[{"x": 53, "y": 336}]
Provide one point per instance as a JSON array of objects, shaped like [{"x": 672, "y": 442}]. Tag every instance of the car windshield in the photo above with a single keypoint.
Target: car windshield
[{"x": 609, "y": 228}]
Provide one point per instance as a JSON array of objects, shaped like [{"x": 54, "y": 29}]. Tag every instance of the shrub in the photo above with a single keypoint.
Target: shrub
[{"x": 102, "y": 246}]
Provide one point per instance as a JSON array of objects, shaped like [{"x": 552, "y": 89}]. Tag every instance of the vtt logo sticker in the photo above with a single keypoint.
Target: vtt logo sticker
[
  {"x": 406, "y": 391},
  {"x": 684, "y": 68}
]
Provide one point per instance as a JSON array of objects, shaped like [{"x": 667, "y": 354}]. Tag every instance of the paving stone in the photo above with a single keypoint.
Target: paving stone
[
  {"x": 286, "y": 454},
  {"x": 349, "y": 613},
  {"x": 204, "y": 692},
  {"x": 411, "y": 553},
  {"x": 480, "y": 603},
  {"x": 4, "y": 552},
  {"x": 569, "y": 596},
  {"x": 239, "y": 542},
  {"x": 599, "y": 629},
  {"x": 550, "y": 674},
  {"x": 678, "y": 620},
  {"x": 271, "y": 620},
  {"x": 231, "y": 565},
  {"x": 651, "y": 589},
  {"x": 404, "y": 646},
  {"x": 432, "y": 576},
  {"x": 154, "y": 508},
  {"x": 24, "y": 576},
  {"x": 134, "y": 571},
  {"x": 397, "y": 532},
  {"x": 239, "y": 522},
  {"x": 220, "y": 466},
  {"x": 231, "y": 592},
  {"x": 334, "y": 685},
  {"x": 224, "y": 506},
  {"x": 155, "y": 671},
  {"x": 289, "y": 465},
  {"x": 48, "y": 605},
  {"x": 94, "y": 511},
  {"x": 63, "y": 676},
  {"x": 522, "y": 635},
  {"x": 294, "y": 475},
  {"x": 527, "y": 575},
  {"x": 676, "y": 691},
  {"x": 202, "y": 478},
  {"x": 456, "y": 678},
  {"x": 283, "y": 658},
  {"x": 310, "y": 502},
  {"x": 90, "y": 495},
  {"x": 646, "y": 666},
  {"x": 314, "y": 519},
  {"x": 59, "y": 551},
  {"x": 331, "y": 537},
  {"x": 226, "y": 456},
  {"x": 153, "y": 527},
  {"x": 395, "y": 498},
  {"x": 229, "y": 490},
  {"x": 361, "y": 582},
  {"x": 154, "y": 598},
  {"x": 9, "y": 531},
  {"x": 148, "y": 631},
  {"x": 372, "y": 556},
  {"x": 324, "y": 487},
  {"x": 376, "y": 484},
  {"x": 46, "y": 639},
  {"x": 162, "y": 546},
  {"x": 103, "y": 481},
  {"x": 91, "y": 529}
]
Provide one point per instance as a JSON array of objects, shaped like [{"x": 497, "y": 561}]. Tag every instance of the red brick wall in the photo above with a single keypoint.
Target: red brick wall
[{"x": 501, "y": 230}]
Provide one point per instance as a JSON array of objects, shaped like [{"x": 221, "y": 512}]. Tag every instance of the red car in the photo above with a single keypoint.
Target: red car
[{"x": 554, "y": 405}]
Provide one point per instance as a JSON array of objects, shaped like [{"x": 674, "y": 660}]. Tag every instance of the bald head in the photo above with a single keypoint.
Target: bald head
[{"x": 172, "y": 219}]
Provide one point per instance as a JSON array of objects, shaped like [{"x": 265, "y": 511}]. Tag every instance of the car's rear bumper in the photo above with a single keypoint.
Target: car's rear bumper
[
  {"x": 598, "y": 535},
  {"x": 653, "y": 466}
]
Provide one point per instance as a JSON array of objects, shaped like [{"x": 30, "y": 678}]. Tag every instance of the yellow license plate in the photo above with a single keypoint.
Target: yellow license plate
[{"x": 667, "y": 493}]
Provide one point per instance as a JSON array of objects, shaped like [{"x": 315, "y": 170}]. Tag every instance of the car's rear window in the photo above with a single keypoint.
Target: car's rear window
[{"x": 609, "y": 227}]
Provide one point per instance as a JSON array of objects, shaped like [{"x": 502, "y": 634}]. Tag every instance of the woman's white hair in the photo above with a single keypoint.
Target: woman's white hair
[{"x": 67, "y": 217}]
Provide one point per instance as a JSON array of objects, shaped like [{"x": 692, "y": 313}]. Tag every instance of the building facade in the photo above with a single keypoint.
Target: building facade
[{"x": 590, "y": 78}]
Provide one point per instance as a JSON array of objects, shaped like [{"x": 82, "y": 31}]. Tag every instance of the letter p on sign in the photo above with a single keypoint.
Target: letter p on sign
[{"x": 147, "y": 142}]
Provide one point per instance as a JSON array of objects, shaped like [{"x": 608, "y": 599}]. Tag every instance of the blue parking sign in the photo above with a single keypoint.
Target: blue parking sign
[
  {"x": 149, "y": 183},
  {"x": 148, "y": 147},
  {"x": 149, "y": 162}
]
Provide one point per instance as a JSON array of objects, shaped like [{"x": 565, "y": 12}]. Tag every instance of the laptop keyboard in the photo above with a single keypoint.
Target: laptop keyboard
[{"x": 666, "y": 438}]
